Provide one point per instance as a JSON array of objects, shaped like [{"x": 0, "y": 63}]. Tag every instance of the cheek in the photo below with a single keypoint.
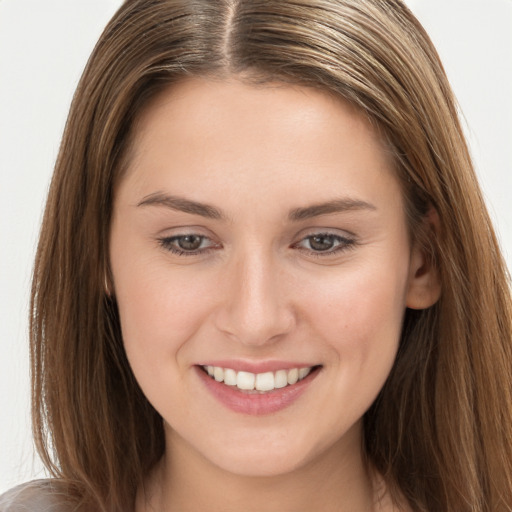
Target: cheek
[
  {"x": 359, "y": 316},
  {"x": 159, "y": 309},
  {"x": 160, "y": 312}
]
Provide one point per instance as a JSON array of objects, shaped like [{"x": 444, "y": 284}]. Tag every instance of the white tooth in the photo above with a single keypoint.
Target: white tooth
[
  {"x": 245, "y": 380},
  {"x": 303, "y": 372},
  {"x": 265, "y": 381},
  {"x": 230, "y": 377},
  {"x": 293, "y": 376},
  {"x": 209, "y": 369},
  {"x": 218, "y": 374},
  {"x": 280, "y": 379}
]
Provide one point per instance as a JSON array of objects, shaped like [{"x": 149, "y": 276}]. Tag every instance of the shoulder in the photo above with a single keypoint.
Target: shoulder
[{"x": 35, "y": 496}]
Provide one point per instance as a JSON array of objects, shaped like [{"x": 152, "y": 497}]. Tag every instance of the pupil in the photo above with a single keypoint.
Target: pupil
[
  {"x": 321, "y": 242},
  {"x": 189, "y": 242}
]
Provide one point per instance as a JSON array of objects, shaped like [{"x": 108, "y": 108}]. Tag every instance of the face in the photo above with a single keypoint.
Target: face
[{"x": 261, "y": 264}]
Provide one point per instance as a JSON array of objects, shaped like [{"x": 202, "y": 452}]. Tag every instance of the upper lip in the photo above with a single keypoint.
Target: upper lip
[{"x": 240, "y": 365}]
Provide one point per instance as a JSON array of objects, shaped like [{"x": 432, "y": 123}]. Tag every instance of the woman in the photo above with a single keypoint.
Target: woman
[{"x": 266, "y": 278}]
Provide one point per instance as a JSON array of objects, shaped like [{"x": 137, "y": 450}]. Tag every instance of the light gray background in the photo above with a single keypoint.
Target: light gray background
[{"x": 43, "y": 48}]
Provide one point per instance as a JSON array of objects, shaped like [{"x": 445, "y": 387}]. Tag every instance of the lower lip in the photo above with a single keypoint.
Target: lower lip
[{"x": 255, "y": 404}]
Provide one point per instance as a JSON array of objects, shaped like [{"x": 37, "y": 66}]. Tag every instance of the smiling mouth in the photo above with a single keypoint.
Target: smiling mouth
[{"x": 258, "y": 383}]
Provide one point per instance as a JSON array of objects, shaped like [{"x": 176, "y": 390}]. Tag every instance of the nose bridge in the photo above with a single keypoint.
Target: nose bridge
[{"x": 255, "y": 309}]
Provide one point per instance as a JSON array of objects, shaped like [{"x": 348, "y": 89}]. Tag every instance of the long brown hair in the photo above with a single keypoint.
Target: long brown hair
[{"x": 440, "y": 431}]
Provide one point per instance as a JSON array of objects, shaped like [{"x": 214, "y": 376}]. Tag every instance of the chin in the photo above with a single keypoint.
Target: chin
[
  {"x": 262, "y": 465},
  {"x": 269, "y": 455}
]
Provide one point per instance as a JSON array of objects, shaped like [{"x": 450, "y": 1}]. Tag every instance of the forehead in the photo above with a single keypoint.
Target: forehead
[
  {"x": 207, "y": 135},
  {"x": 208, "y": 103}
]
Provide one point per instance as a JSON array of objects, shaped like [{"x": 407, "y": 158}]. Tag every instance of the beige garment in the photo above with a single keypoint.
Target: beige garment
[{"x": 36, "y": 496}]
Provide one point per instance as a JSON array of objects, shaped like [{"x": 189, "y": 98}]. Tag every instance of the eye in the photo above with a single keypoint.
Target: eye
[
  {"x": 326, "y": 244},
  {"x": 188, "y": 244}
]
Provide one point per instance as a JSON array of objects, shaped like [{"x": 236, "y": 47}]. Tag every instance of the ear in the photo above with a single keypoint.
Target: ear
[{"x": 424, "y": 285}]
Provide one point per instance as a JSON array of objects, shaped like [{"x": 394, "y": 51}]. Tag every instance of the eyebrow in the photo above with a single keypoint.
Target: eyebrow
[
  {"x": 211, "y": 212},
  {"x": 182, "y": 205},
  {"x": 335, "y": 206}
]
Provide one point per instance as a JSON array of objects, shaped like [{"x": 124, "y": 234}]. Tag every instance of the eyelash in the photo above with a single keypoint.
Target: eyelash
[
  {"x": 167, "y": 244},
  {"x": 343, "y": 244}
]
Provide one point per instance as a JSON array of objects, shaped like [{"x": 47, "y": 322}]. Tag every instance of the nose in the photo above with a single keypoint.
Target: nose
[{"x": 255, "y": 307}]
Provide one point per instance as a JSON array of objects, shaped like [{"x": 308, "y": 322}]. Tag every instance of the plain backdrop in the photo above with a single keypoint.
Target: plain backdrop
[{"x": 43, "y": 48}]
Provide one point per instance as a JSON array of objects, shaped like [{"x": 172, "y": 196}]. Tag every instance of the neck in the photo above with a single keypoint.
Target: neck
[{"x": 185, "y": 481}]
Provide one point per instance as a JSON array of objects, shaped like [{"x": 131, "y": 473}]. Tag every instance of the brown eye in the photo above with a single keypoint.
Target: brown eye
[
  {"x": 325, "y": 244},
  {"x": 187, "y": 245},
  {"x": 322, "y": 242},
  {"x": 189, "y": 242}
]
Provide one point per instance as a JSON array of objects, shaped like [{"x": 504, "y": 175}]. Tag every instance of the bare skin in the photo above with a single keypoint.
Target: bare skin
[
  {"x": 323, "y": 486},
  {"x": 261, "y": 227}
]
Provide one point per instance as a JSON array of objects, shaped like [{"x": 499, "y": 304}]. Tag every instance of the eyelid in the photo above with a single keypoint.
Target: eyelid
[
  {"x": 184, "y": 230},
  {"x": 166, "y": 242},
  {"x": 322, "y": 230},
  {"x": 343, "y": 241},
  {"x": 346, "y": 241}
]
